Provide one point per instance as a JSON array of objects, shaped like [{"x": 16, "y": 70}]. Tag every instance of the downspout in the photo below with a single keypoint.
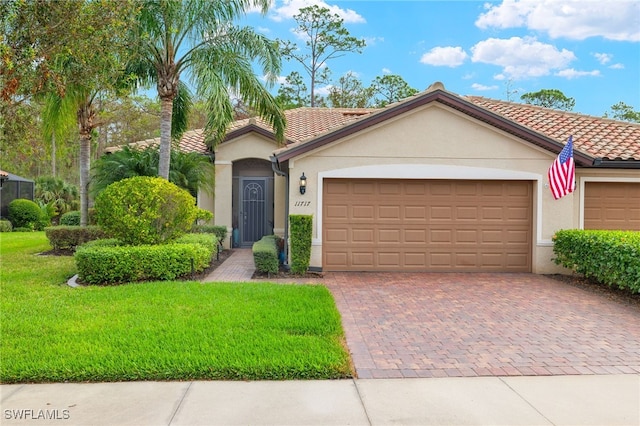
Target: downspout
[{"x": 275, "y": 166}]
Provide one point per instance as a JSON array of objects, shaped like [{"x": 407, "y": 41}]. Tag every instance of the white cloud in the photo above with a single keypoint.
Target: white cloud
[
  {"x": 521, "y": 57},
  {"x": 574, "y": 19},
  {"x": 290, "y": 8},
  {"x": 603, "y": 58},
  {"x": 386, "y": 71},
  {"x": 617, "y": 66},
  {"x": 372, "y": 41},
  {"x": 323, "y": 91},
  {"x": 281, "y": 79},
  {"x": 482, "y": 87},
  {"x": 572, "y": 73},
  {"x": 444, "y": 56},
  {"x": 264, "y": 30}
]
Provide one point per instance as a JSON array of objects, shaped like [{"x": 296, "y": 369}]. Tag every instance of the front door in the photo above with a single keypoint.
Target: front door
[{"x": 253, "y": 210}]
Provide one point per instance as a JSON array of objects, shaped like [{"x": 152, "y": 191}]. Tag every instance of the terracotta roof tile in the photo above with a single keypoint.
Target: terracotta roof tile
[
  {"x": 595, "y": 136},
  {"x": 302, "y": 124},
  {"x": 3, "y": 173},
  {"x": 305, "y": 123}
]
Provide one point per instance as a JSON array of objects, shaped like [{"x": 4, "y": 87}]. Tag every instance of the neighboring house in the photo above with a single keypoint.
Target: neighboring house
[
  {"x": 436, "y": 182},
  {"x": 12, "y": 187}
]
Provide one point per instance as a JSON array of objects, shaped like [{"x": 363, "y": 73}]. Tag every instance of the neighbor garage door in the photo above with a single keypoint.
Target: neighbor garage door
[
  {"x": 612, "y": 205},
  {"x": 426, "y": 225}
]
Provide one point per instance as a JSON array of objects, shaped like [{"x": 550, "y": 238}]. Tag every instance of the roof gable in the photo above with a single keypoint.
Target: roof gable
[{"x": 621, "y": 146}]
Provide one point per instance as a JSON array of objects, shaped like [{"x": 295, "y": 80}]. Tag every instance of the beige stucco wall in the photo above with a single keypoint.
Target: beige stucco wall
[
  {"x": 251, "y": 145},
  {"x": 436, "y": 142}
]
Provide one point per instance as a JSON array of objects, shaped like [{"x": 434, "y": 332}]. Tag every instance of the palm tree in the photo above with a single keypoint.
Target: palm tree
[
  {"x": 79, "y": 103},
  {"x": 199, "y": 36},
  {"x": 191, "y": 171},
  {"x": 62, "y": 195}
]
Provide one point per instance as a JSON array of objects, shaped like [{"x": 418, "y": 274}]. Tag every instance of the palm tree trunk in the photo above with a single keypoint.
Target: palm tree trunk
[
  {"x": 85, "y": 163},
  {"x": 53, "y": 154},
  {"x": 166, "y": 113}
]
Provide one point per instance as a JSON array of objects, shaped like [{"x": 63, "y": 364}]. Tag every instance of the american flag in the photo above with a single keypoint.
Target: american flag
[{"x": 562, "y": 173}]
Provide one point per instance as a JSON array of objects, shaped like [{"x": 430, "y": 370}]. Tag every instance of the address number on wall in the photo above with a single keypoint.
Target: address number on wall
[{"x": 302, "y": 203}]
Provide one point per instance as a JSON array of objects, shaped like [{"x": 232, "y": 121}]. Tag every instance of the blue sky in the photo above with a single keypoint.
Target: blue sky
[{"x": 588, "y": 49}]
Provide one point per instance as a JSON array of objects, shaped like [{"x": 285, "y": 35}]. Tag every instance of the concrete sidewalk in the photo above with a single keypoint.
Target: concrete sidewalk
[{"x": 551, "y": 400}]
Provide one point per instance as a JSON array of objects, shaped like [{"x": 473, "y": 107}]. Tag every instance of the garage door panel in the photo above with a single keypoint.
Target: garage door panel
[
  {"x": 440, "y": 213},
  {"x": 467, "y": 213},
  {"x": 335, "y": 259},
  {"x": 337, "y": 235},
  {"x": 440, "y": 236},
  {"x": 362, "y": 259},
  {"x": 362, "y": 235},
  {"x": 415, "y": 213},
  {"x": 415, "y": 236},
  {"x": 389, "y": 212},
  {"x": 388, "y": 236},
  {"x": 428, "y": 225}
]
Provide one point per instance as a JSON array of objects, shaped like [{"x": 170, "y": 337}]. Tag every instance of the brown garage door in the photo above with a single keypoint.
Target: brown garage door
[
  {"x": 426, "y": 225},
  {"x": 612, "y": 205}
]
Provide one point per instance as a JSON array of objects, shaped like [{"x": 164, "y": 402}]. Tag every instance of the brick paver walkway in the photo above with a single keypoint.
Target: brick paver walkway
[
  {"x": 238, "y": 267},
  {"x": 440, "y": 325}
]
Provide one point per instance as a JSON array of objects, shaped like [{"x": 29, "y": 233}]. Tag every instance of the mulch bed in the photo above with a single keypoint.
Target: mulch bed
[{"x": 284, "y": 274}]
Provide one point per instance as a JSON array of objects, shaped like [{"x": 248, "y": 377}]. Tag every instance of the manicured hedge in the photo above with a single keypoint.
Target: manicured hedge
[
  {"x": 70, "y": 218},
  {"x": 301, "y": 233},
  {"x": 70, "y": 237},
  {"x": 265, "y": 254},
  {"x": 610, "y": 257},
  {"x": 218, "y": 231},
  {"x": 104, "y": 262}
]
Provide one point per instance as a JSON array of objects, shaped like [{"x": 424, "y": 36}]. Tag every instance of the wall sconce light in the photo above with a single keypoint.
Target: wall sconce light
[{"x": 303, "y": 183}]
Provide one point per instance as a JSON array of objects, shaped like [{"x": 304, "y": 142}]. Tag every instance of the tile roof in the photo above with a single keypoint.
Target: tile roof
[
  {"x": 596, "y": 136},
  {"x": 305, "y": 123},
  {"x": 302, "y": 124},
  {"x": 3, "y": 173},
  {"x": 191, "y": 141}
]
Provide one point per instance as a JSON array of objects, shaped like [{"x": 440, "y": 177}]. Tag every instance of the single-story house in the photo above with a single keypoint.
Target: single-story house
[
  {"x": 12, "y": 187},
  {"x": 435, "y": 182}
]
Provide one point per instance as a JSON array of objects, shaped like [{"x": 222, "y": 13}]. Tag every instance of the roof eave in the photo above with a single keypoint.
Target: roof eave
[
  {"x": 252, "y": 128},
  {"x": 618, "y": 163}
]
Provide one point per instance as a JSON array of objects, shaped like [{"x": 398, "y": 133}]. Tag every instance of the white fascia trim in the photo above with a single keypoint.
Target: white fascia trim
[
  {"x": 226, "y": 163},
  {"x": 427, "y": 171},
  {"x": 585, "y": 179}
]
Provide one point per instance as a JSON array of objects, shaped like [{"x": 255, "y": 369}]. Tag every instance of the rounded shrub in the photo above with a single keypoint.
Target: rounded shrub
[
  {"x": 24, "y": 213},
  {"x": 70, "y": 218},
  {"x": 145, "y": 210}
]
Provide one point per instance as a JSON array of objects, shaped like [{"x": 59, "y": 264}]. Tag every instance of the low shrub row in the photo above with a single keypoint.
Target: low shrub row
[
  {"x": 265, "y": 254},
  {"x": 217, "y": 230},
  {"x": 105, "y": 262},
  {"x": 610, "y": 257},
  {"x": 70, "y": 237}
]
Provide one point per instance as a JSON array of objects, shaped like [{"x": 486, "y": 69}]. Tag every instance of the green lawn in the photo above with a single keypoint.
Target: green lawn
[{"x": 157, "y": 331}]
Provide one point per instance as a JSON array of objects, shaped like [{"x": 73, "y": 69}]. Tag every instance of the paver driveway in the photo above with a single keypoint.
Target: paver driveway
[{"x": 439, "y": 325}]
